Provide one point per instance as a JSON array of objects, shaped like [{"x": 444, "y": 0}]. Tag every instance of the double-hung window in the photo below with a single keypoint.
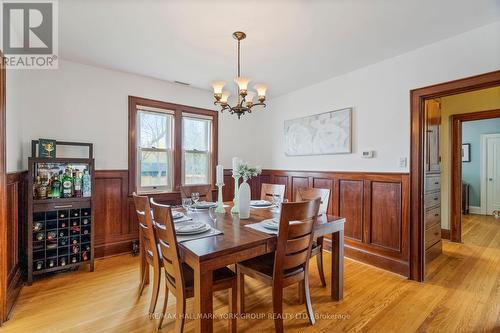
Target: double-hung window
[
  {"x": 170, "y": 145},
  {"x": 154, "y": 150},
  {"x": 196, "y": 149}
]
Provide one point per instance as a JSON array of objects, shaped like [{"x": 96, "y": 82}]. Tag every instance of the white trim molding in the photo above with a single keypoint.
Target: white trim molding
[{"x": 475, "y": 210}]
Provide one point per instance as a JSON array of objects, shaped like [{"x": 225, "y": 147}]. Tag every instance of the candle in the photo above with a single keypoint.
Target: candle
[
  {"x": 236, "y": 162},
  {"x": 220, "y": 174}
]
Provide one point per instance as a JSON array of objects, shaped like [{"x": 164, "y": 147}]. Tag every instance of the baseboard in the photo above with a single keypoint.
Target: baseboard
[
  {"x": 113, "y": 249},
  {"x": 474, "y": 210},
  {"x": 445, "y": 233},
  {"x": 389, "y": 264},
  {"x": 13, "y": 290}
]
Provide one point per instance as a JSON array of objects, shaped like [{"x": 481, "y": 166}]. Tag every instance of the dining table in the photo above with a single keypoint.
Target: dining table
[{"x": 237, "y": 243}]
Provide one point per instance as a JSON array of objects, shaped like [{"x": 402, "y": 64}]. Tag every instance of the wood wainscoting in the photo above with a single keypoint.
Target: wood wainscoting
[
  {"x": 375, "y": 205},
  {"x": 16, "y": 220}
]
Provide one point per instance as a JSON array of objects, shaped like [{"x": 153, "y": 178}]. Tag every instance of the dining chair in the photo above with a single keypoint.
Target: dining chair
[
  {"x": 148, "y": 247},
  {"x": 288, "y": 264},
  {"x": 309, "y": 193},
  {"x": 267, "y": 191},
  {"x": 205, "y": 191},
  {"x": 179, "y": 277}
]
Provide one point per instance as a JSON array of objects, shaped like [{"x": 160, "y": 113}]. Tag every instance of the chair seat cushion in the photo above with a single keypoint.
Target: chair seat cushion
[{"x": 265, "y": 265}]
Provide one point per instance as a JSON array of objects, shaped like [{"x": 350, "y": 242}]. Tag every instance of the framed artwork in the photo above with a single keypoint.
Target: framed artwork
[
  {"x": 320, "y": 134},
  {"x": 47, "y": 148},
  {"x": 465, "y": 152}
]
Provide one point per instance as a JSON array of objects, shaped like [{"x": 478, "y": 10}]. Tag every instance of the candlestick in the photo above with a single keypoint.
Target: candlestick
[
  {"x": 220, "y": 204},
  {"x": 220, "y": 174},
  {"x": 236, "y": 208}
]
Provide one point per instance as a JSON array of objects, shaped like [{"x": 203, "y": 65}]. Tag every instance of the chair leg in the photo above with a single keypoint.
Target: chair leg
[
  {"x": 143, "y": 283},
  {"x": 164, "y": 310},
  {"x": 319, "y": 261},
  {"x": 155, "y": 291},
  {"x": 278, "y": 309},
  {"x": 180, "y": 314},
  {"x": 302, "y": 297},
  {"x": 241, "y": 290},
  {"x": 233, "y": 306},
  {"x": 310, "y": 312}
]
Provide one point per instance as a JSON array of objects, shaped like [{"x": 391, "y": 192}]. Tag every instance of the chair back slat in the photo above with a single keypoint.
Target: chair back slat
[
  {"x": 205, "y": 191},
  {"x": 167, "y": 240},
  {"x": 295, "y": 235},
  {"x": 267, "y": 191},
  {"x": 310, "y": 193},
  {"x": 146, "y": 230}
]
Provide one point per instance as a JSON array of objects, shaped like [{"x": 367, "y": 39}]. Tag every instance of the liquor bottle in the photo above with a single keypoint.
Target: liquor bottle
[
  {"x": 86, "y": 184},
  {"x": 67, "y": 184},
  {"x": 63, "y": 261},
  {"x": 78, "y": 184},
  {"x": 39, "y": 265},
  {"x": 56, "y": 187},
  {"x": 40, "y": 189}
]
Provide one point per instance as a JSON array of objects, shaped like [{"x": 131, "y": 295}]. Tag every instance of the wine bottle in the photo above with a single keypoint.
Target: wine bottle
[
  {"x": 63, "y": 261},
  {"x": 62, "y": 241},
  {"x": 56, "y": 187},
  {"x": 51, "y": 263},
  {"x": 51, "y": 235},
  {"x": 67, "y": 184},
  {"x": 78, "y": 184},
  {"x": 40, "y": 236},
  {"x": 85, "y": 256},
  {"x": 39, "y": 265},
  {"x": 73, "y": 259},
  {"x": 74, "y": 249},
  {"x": 37, "y": 226}
]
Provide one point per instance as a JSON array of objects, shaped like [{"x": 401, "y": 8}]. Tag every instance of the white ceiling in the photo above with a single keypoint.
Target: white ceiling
[{"x": 290, "y": 44}]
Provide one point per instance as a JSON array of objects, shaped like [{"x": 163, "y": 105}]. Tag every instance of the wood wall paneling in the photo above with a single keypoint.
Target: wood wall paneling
[{"x": 351, "y": 207}]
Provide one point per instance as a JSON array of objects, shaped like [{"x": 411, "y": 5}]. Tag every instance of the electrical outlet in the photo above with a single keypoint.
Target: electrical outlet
[{"x": 403, "y": 161}]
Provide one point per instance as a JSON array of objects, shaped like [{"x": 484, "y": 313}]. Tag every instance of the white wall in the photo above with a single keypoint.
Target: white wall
[
  {"x": 85, "y": 103},
  {"x": 380, "y": 96}
]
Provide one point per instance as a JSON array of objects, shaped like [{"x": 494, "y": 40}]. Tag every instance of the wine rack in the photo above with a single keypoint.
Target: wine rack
[{"x": 60, "y": 231}]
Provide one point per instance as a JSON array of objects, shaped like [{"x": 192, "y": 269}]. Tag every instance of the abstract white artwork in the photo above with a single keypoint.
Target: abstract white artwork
[{"x": 321, "y": 134}]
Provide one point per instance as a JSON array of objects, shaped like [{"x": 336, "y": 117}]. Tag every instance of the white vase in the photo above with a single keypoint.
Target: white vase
[{"x": 244, "y": 199}]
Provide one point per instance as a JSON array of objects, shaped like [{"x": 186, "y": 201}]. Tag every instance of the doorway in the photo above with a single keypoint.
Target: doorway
[
  {"x": 417, "y": 161},
  {"x": 487, "y": 154}
]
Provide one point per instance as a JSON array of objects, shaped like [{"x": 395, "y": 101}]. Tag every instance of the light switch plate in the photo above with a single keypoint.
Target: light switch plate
[{"x": 403, "y": 162}]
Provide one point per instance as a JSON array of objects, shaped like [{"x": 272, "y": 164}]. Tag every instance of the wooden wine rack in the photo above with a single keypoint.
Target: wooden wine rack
[{"x": 60, "y": 231}]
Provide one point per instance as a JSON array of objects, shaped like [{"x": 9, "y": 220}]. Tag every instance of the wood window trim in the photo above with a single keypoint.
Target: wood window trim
[
  {"x": 133, "y": 103},
  {"x": 417, "y": 162}
]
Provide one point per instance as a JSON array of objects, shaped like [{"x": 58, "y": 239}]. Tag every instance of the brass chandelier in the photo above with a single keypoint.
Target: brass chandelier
[{"x": 245, "y": 97}]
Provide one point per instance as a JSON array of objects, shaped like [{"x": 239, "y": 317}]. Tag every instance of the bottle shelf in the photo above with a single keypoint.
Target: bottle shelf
[{"x": 61, "y": 200}]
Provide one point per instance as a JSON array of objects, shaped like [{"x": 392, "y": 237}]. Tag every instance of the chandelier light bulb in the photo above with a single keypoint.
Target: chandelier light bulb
[
  {"x": 242, "y": 83},
  {"x": 224, "y": 96},
  {"x": 249, "y": 98},
  {"x": 261, "y": 89},
  {"x": 217, "y": 86}
]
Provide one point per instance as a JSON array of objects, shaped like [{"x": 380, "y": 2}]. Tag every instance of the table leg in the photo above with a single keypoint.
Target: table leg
[
  {"x": 338, "y": 265},
  {"x": 203, "y": 298}
]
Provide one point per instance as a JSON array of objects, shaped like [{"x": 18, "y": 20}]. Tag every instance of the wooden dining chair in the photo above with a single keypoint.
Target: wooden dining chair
[
  {"x": 179, "y": 277},
  {"x": 288, "y": 265},
  {"x": 309, "y": 193},
  {"x": 267, "y": 191},
  {"x": 205, "y": 191},
  {"x": 148, "y": 247}
]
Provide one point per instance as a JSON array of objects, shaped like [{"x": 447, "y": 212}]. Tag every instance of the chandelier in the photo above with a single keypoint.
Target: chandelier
[{"x": 245, "y": 97}]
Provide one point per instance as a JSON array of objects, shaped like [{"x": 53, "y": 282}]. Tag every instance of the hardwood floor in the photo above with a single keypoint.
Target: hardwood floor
[{"x": 462, "y": 294}]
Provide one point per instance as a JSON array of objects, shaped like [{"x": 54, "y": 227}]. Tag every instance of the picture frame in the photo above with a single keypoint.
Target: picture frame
[{"x": 465, "y": 152}]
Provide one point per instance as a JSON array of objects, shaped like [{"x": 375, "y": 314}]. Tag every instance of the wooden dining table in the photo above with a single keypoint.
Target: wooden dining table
[{"x": 238, "y": 243}]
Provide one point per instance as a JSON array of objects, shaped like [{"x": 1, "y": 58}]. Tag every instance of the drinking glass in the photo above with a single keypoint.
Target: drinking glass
[
  {"x": 186, "y": 203},
  {"x": 195, "y": 196},
  {"x": 212, "y": 214}
]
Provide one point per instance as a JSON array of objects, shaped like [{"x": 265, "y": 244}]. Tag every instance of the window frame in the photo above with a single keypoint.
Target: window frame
[
  {"x": 208, "y": 152},
  {"x": 177, "y": 110},
  {"x": 168, "y": 151}
]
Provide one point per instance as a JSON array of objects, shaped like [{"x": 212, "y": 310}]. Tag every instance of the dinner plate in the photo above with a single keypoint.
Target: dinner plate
[
  {"x": 260, "y": 203},
  {"x": 177, "y": 215},
  {"x": 191, "y": 227},
  {"x": 271, "y": 224},
  {"x": 205, "y": 205}
]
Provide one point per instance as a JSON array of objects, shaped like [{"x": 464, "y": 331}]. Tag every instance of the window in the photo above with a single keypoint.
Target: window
[
  {"x": 170, "y": 145},
  {"x": 154, "y": 151},
  {"x": 196, "y": 134}
]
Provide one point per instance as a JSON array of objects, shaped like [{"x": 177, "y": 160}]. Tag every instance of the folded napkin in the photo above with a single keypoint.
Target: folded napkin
[{"x": 183, "y": 219}]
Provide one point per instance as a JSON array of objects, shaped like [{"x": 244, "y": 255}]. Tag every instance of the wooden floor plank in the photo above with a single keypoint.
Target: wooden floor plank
[{"x": 462, "y": 294}]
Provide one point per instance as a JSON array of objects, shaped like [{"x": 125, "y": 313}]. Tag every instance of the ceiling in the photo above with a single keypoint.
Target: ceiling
[{"x": 290, "y": 44}]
